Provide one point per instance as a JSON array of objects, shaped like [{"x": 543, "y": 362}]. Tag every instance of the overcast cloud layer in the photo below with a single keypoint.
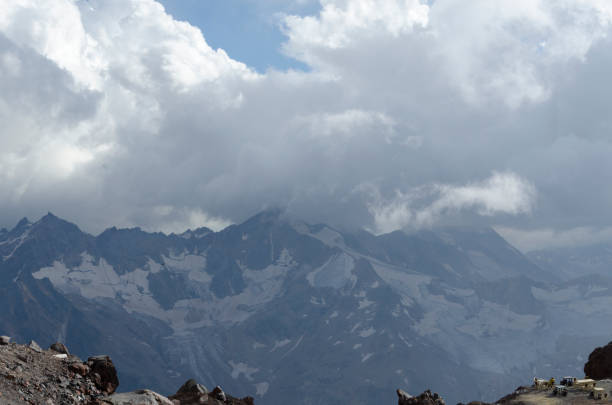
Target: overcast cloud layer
[{"x": 412, "y": 114}]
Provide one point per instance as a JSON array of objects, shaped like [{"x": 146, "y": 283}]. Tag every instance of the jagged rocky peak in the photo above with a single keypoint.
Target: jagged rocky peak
[
  {"x": 23, "y": 222},
  {"x": 31, "y": 375},
  {"x": 267, "y": 216},
  {"x": 23, "y": 225},
  {"x": 55, "y": 224},
  {"x": 196, "y": 233}
]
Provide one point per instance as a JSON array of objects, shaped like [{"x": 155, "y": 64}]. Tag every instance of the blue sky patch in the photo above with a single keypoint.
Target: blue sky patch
[{"x": 247, "y": 30}]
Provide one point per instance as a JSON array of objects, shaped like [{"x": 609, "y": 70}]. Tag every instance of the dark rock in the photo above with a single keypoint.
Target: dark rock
[
  {"x": 599, "y": 365},
  {"x": 248, "y": 400},
  {"x": 102, "y": 371},
  {"x": 191, "y": 386},
  {"x": 218, "y": 393},
  {"x": 190, "y": 392},
  {"x": 34, "y": 346},
  {"x": 426, "y": 398},
  {"x": 80, "y": 369},
  {"x": 4, "y": 340},
  {"x": 403, "y": 395},
  {"x": 60, "y": 348}
]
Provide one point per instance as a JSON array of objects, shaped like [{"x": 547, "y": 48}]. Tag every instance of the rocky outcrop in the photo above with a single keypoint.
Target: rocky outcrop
[
  {"x": 599, "y": 365},
  {"x": 192, "y": 393},
  {"x": 59, "y": 347},
  {"x": 29, "y": 374},
  {"x": 102, "y": 371},
  {"x": 426, "y": 398},
  {"x": 34, "y": 346},
  {"x": 139, "y": 397}
]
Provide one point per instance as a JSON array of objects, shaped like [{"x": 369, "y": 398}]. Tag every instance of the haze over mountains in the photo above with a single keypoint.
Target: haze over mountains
[{"x": 288, "y": 310}]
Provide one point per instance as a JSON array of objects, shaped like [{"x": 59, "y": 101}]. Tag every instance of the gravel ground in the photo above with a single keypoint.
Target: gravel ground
[
  {"x": 575, "y": 396},
  {"x": 46, "y": 378}
]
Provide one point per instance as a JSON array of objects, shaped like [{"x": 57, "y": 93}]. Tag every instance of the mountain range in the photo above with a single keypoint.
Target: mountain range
[{"x": 303, "y": 313}]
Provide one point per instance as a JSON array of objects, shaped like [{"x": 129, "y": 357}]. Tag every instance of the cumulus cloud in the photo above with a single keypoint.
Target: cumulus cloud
[
  {"x": 423, "y": 206},
  {"x": 114, "y": 113},
  {"x": 343, "y": 23},
  {"x": 502, "y": 50}
]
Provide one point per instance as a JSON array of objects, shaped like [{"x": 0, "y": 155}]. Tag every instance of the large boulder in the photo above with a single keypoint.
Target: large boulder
[
  {"x": 191, "y": 391},
  {"x": 139, "y": 397},
  {"x": 60, "y": 348},
  {"x": 426, "y": 398},
  {"x": 103, "y": 373},
  {"x": 599, "y": 365},
  {"x": 34, "y": 346}
]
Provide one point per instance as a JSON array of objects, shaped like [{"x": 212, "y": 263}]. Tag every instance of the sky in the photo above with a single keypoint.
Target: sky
[
  {"x": 248, "y": 30},
  {"x": 375, "y": 114}
]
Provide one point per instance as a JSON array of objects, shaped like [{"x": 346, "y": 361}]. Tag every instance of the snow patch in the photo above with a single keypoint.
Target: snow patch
[
  {"x": 365, "y": 357},
  {"x": 494, "y": 319},
  {"x": 18, "y": 241},
  {"x": 405, "y": 282},
  {"x": 242, "y": 368},
  {"x": 557, "y": 296},
  {"x": 326, "y": 235},
  {"x": 336, "y": 273},
  {"x": 364, "y": 303},
  {"x": 280, "y": 343},
  {"x": 317, "y": 301},
  {"x": 97, "y": 279},
  {"x": 367, "y": 332},
  {"x": 89, "y": 279},
  {"x": 261, "y": 388}
]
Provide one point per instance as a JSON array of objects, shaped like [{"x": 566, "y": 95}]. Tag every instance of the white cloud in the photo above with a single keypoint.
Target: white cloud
[
  {"x": 111, "y": 109},
  {"x": 342, "y": 23},
  {"x": 171, "y": 219},
  {"x": 528, "y": 240},
  {"x": 487, "y": 50},
  {"x": 504, "y": 193}
]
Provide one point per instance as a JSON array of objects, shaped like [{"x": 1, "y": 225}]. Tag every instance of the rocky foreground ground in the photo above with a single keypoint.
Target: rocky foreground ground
[
  {"x": 598, "y": 367},
  {"x": 31, "y": 375},
  {"x": 521, "y": 396}
]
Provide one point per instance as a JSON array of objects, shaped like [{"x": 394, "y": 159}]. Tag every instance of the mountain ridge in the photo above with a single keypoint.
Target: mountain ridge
[{"x": 276, "y": 307}]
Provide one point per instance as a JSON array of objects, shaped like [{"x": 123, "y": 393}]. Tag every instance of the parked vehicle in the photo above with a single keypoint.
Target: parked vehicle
[
  {"x": 568, "y": 381},
  {"x": 586, "y": 383},
  {"x": 599, "y": 393}
]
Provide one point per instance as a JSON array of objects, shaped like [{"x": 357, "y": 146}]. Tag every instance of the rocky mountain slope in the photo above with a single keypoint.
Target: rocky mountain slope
[
  {"x": 572, "y": 262},
  {"x": 287, "y": 310},
  {"x": 30, "y": 375}
]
